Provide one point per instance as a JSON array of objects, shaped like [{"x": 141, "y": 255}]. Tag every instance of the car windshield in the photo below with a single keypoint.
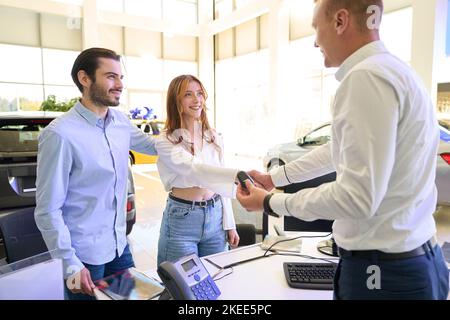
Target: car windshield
[
  {"x": 21, "y": 135},
  {"x": 157, "y": 127},
  {"x": 152, "y": 127},
  {"x": 317, "y": 137}
]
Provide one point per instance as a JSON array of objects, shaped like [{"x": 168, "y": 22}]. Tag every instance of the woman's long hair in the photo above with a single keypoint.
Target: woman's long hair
[{"x": 175, "y": 93}]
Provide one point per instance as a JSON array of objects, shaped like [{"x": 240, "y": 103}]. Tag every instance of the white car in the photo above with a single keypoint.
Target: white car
[{"x": 287, "y": 152}]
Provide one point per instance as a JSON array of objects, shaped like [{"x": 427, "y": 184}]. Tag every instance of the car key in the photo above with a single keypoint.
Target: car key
[{"x": 242, "y": 176}]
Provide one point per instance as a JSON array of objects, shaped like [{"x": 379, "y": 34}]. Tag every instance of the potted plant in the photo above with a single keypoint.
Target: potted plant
[{"x": 50, "y": 104}]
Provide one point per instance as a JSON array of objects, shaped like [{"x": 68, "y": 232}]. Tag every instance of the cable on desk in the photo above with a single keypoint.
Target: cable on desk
[
  {"x": 265, "y": 255},
  {"x": 295, "y": 238},
  {"x": 246, "y": 260},
  {"x": 307, "y": 257},
  {"x": 147, "y": 276},
  {"x": 219, "y": 272}
]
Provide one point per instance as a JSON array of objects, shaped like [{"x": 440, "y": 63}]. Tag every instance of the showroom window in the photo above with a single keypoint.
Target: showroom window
[
  {"x": 316, "y": 85},
  {"x": 396, "y": 32},
  {"x": 222, "y": 8},
  {"x": 57, "y": 66},
  {"x": 241, "y": 3},
  {"x": 150, "y": 58},
  {"x": 144, "y": 73},
  {"x": 241, "y": 99},
  {"x": 184, "y": 11},
  {"x": 148, "y": 78},
  {"x": 242, "y": 86},
  {"x": 311, "y": 88},
  {"x": 146, "y": 8},
  {"x": 13, "y": 69},
  {"x": 180, "y": 11},
  {"x": 18, "y": 96},
  {"x": 110, "y": 5},
  {"x": 25, "y": 83}
]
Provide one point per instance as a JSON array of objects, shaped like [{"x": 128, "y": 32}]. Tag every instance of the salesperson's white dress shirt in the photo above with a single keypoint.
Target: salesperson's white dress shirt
[
  {"x": 383, "y": 149},
  {"x": 180, "y": 169}
]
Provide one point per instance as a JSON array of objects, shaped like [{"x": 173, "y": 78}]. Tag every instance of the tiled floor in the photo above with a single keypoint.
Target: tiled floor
[{"x": 150, "y": 203}]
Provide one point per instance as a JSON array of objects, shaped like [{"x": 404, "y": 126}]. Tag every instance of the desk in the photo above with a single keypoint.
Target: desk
[
  {"x": 262, "y": 279},
  {"x": 35, "y": 278}
]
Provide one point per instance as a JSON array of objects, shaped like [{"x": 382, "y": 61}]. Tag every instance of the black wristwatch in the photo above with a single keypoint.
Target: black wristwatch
[{"x": 266, "y": 205}]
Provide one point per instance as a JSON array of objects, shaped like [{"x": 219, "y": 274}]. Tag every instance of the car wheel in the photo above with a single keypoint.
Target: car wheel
[{"x": 275, "y": 163}]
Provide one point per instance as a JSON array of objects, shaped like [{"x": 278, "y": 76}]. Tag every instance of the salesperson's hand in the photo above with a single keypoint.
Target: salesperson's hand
[
  {"x": 262, "y": 179},
  {"x": 233, "y": 238},
  {"x": 251, "y": 199},
  {"x": 82, "y": 282}
]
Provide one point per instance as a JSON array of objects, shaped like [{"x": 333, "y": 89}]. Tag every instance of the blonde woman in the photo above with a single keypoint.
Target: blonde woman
[{"x": 198, "y": 217}]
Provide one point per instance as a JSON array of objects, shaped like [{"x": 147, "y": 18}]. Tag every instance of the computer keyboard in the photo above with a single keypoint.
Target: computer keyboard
[{"x": 310, "y": 275}]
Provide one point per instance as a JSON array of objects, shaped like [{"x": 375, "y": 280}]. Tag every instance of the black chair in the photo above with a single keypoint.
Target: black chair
[
  {"x": 328, "y": 246},
  {"x": 294, "y": 224},
  {"x": 247, "y": 234},
  {"x": 21, "y": 237}
]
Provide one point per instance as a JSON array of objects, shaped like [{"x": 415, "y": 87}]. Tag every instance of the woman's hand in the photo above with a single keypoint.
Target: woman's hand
[{"x": 233, "y": 238}]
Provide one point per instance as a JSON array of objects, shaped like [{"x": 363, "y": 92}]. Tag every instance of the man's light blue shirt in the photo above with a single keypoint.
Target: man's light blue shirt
[{"x": 82, "y": 178}]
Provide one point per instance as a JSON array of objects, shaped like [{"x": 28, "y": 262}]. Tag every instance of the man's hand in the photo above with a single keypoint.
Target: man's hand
[
  {"x": 233, "y": 238},
  {"x": 262, "y": 179},
  {"x": 253, "y": 199},
  {"x": 86, "y": 286}
]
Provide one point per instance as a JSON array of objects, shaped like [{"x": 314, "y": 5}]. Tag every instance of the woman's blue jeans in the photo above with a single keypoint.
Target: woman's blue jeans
[{"x": 187, "y": 228}]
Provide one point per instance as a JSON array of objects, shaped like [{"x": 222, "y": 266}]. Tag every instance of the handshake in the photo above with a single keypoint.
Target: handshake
[{"x": 253, "y": 188}]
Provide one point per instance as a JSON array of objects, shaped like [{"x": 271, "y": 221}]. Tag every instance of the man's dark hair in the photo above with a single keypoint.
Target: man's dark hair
[{"x": 87, "y": 60}]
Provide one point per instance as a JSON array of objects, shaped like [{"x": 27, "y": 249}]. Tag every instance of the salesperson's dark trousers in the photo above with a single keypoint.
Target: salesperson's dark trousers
[{"x": 372, "y": 275}]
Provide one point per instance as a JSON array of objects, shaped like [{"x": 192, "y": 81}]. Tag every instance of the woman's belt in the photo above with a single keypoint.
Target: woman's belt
[{"x": 203, "y": 203}]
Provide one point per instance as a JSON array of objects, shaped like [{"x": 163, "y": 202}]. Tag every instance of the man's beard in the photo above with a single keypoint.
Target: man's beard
[{"x": 98, "y": 96}]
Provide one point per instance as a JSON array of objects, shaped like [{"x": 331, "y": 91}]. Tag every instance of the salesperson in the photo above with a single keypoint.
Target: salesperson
[{"x": 383, "y": 149}]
